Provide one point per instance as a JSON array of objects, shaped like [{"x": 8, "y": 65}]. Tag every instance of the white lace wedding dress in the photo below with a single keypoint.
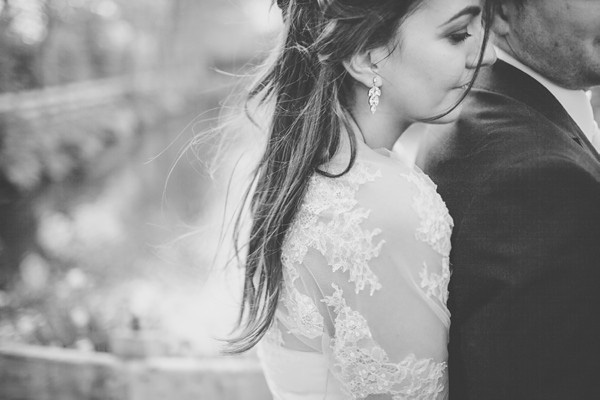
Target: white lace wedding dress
[{"x": 363, "y": 311}]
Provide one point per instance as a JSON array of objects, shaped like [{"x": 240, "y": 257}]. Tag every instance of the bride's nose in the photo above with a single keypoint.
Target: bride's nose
[{"x": 489, "y": 57}]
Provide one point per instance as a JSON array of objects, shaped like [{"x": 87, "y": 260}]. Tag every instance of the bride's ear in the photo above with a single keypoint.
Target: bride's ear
[{"x": 362, "y": 68}]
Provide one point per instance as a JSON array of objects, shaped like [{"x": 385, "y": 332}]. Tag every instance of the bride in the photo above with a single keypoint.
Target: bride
[{"x": 347, "y": 260}]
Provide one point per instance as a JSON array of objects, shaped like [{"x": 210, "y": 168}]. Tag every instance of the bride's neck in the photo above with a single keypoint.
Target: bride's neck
[{"x": 379, "y": 130}]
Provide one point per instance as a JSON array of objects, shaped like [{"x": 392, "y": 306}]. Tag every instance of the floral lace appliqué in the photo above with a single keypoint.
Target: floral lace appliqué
[
  {"x": 339, "y": 237},
  {"x": 435, "y": 229},
  {"x": 302, "y": 316},
  {"x": 341, "y": 240},
  {"x": 365, "y": 368},
  {"x": 436, "y": 285},
  {"x": 436, "y": 223}
]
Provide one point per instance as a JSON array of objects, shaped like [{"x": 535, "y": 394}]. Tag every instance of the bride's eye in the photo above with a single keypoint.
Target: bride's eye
[{"x": 459, "y": 37}]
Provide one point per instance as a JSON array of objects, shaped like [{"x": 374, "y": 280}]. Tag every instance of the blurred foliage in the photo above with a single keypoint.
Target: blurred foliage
[
  {"x": 52, "y": 42},
  {"x": 90, "y": 90},
  {"x": 104, "y": 70}
]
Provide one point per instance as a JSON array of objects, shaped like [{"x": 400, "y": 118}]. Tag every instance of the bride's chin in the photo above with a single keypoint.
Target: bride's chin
[{"x": 449, "y": 118}]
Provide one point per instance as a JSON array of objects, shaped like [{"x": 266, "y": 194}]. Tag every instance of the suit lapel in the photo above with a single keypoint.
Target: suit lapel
[
  {"x": 510, "y": 81},
  {"x": 588, "y": 145}
]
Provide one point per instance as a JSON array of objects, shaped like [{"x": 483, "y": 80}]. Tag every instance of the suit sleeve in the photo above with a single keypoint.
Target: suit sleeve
[{"x": 525, "y": 285}]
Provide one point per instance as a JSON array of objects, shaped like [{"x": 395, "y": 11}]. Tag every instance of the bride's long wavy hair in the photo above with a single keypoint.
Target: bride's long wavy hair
[{"x": 307, "y": 91}]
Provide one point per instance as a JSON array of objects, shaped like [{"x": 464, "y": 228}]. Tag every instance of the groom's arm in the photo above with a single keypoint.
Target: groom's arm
[{"x": 525, "y": 285}]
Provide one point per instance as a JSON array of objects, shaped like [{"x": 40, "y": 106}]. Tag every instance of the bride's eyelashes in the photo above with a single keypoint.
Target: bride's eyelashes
[
  {"x": 460, "y": 33},
  {"x": 459, "y": 37}
]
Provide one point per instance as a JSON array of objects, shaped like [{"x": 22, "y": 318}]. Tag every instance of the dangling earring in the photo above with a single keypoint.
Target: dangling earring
[{"x": 374, "y": 94}]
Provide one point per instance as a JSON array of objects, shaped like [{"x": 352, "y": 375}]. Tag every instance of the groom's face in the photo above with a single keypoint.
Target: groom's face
[{"x": 560, "y": 39}]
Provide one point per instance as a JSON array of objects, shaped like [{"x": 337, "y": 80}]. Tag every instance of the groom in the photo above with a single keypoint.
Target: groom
[{"x": 521, "y": 177}]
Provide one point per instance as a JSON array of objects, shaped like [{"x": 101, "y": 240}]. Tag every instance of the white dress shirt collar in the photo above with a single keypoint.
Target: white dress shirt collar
[{"x": 575, "y": 102}]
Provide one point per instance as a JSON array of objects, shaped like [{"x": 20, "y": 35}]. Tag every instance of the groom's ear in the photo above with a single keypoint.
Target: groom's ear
[{"x": 504, "y": 13}]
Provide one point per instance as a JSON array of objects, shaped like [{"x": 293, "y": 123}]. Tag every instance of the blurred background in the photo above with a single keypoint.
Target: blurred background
[{"x": 112, "y": 194}]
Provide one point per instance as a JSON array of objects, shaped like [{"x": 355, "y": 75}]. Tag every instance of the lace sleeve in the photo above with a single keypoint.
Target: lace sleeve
[{"x": 365, "y": 283}]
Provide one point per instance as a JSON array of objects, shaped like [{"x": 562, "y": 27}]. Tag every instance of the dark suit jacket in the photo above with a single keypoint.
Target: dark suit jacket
[{"x": 523, "y": 186}]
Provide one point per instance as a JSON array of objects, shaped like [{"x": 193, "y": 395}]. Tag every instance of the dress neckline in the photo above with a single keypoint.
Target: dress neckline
[{"x": 398, "y": 154}]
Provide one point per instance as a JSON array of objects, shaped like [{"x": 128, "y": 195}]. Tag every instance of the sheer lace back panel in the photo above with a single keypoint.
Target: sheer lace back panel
[{"x": 365, "y": 288}]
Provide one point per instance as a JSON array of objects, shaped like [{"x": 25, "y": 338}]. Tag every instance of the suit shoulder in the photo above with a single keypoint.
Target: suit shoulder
[
  {"x": 492, "y": 127},
  {"x": 486, "y": 112}
]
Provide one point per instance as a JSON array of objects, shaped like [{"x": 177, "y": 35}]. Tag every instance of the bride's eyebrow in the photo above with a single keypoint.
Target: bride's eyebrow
[{"x": 473, "y": 11}]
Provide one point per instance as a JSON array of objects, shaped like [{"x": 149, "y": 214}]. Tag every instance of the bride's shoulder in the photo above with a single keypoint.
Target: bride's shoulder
[
  {"x": 378, "y": 181},
  {"x": 400, "y": 180},
  {"x": 399, "y": 191},
  {"x": 389, "y": 165}
]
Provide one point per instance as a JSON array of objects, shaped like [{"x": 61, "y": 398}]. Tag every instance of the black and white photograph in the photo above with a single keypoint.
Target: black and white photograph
[{"x": 299, "y": 199}]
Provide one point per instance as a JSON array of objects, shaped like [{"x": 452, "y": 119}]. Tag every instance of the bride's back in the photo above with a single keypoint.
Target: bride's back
[{"x": 365, "y": 274}]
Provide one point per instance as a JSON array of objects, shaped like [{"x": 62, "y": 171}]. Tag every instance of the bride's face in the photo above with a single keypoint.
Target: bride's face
[{"x": 432, "y": 60}]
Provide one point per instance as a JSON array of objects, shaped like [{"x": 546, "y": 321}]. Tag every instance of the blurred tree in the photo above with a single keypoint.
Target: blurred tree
[
  {"x": 52, "y": 42},
  {"x": 92, "y": 90},
  {"x": 17, "y": 59}
]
